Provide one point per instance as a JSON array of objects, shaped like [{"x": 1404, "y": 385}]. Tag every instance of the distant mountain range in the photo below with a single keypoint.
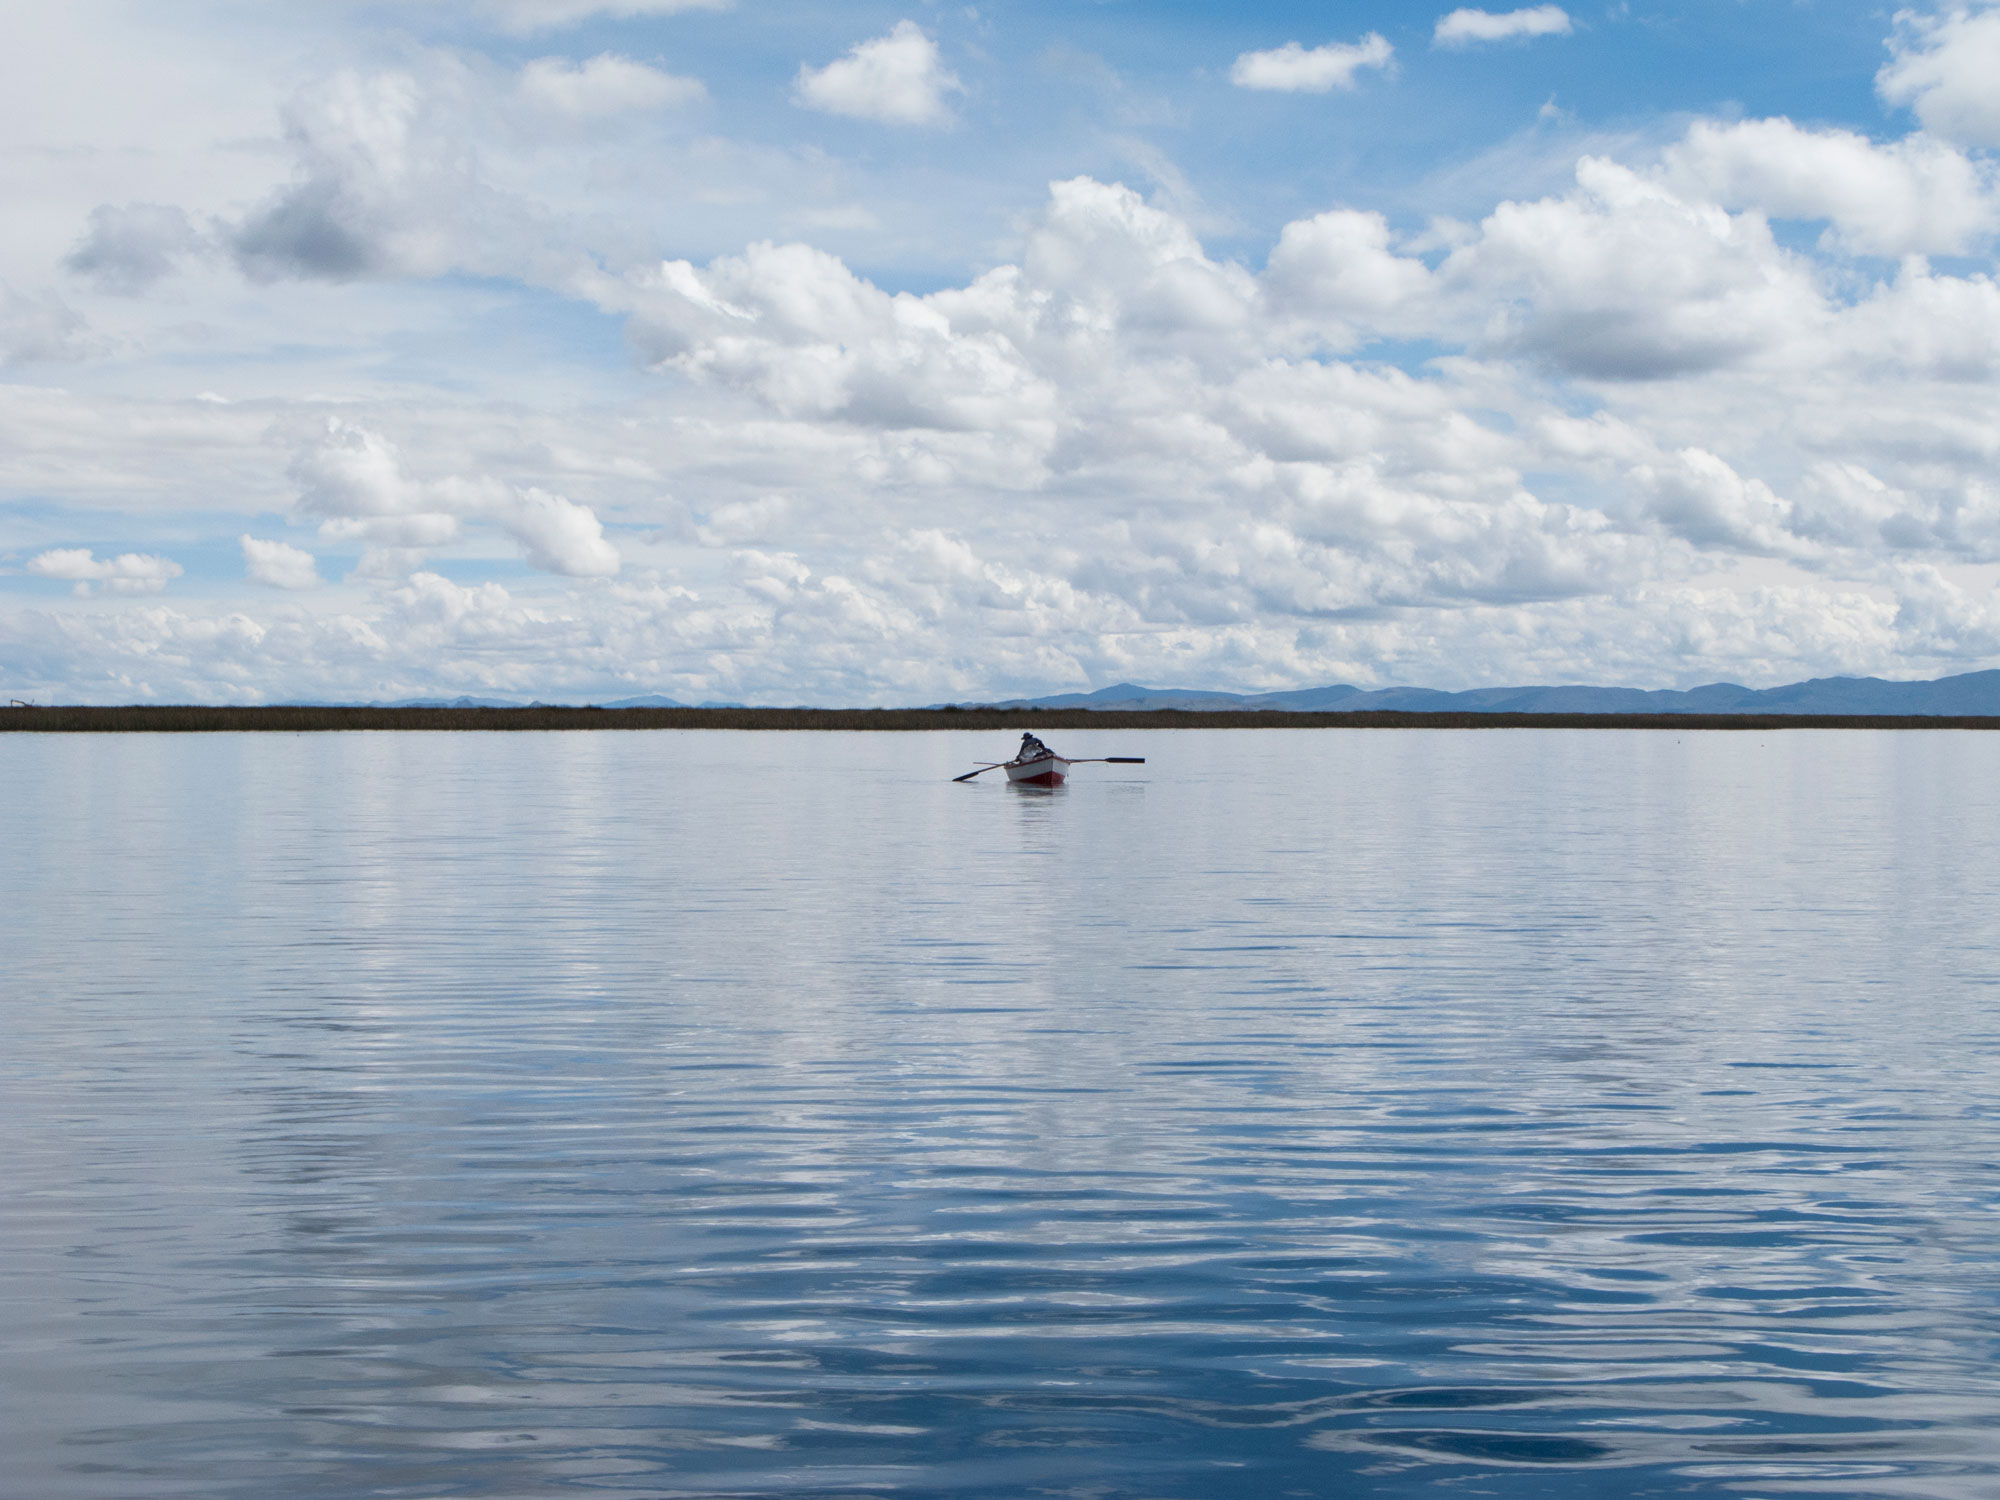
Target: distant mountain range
[{"x": 1969, "y": 693}]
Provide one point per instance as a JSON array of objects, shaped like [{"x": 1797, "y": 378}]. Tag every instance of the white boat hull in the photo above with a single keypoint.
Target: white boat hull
[{"x": 1050, "y": 770}]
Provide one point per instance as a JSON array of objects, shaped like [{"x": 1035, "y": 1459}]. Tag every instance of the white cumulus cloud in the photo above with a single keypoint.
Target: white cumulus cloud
[
  {"x": 128, "y": 573},
  {"x": 373, "y": 191},
  {"x": 1465, "y": 28},
  {"x": 1294, "y": 69},
  {"x": 605, "y": 85},
  {"x": 1339, "y": 272},
  {"x": 898, "y": 79},
  {"x": 444, "y": 164},
  {"x": 278, "y": 564},
  {"x": 130, "y": 247},
  {"x": 1916, "y": 196},
  {"x": 1625, "y": 279},
  {"x": 524, "y": 16},
  {"x": 352, "y": 481},
  {"x": 37, "y": 328},
  {"x": 1946, "y": 68}
]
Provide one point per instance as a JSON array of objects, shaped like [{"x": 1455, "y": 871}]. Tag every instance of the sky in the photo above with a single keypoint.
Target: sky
[{"x": 851, "y": 353}]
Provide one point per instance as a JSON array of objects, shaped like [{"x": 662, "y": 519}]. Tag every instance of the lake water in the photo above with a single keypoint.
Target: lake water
[{"x": 1317, "y": 1113}]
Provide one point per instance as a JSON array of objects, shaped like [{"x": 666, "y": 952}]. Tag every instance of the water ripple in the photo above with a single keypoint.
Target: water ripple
[{"x": 1306, "y": 1115}]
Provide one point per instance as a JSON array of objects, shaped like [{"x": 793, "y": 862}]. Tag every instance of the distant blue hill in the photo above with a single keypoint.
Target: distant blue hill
[
  {"x": 1969, "y": 693},
  {"x": 658, "y": 702},
  {"x": 448, "y": 703}
]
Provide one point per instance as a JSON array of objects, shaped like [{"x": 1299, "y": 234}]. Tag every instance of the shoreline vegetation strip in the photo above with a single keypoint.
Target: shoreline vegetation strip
[{"x": 197, "y": 719}]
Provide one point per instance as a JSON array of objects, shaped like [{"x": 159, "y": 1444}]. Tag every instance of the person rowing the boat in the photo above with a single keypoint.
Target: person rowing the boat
[{"x": 1031, "y": 749}]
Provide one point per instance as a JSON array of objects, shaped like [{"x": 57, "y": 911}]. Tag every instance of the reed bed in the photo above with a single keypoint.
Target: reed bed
[{"x": 200, "y": 719}]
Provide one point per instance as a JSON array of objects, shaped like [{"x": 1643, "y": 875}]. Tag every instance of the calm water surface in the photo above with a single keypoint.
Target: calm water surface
[{"x": 1321, "y": 1113}]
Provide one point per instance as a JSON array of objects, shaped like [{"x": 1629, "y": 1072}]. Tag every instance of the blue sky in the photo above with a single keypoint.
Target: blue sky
[{"x": 879, "y": 354}]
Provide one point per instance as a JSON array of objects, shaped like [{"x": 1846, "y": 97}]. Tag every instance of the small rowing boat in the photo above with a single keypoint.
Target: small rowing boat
[
  {"x": 1035, "y": 764},
  {"x": 1042, "y": 768}
]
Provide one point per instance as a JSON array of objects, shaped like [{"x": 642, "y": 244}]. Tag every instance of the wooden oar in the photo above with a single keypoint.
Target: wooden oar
[{"x": 981, "y": 771}]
